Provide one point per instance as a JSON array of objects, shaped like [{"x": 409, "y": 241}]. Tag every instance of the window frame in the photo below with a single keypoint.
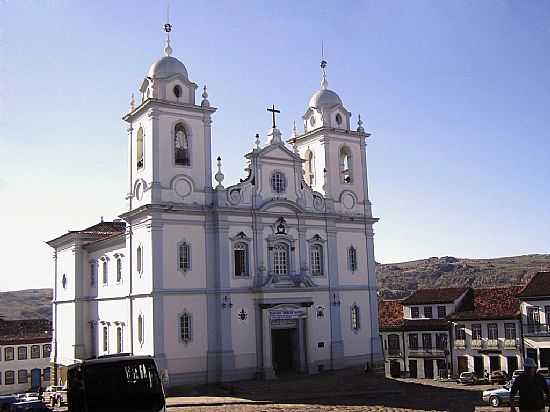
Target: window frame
[
  {"x": 241, "y": 246},
  {"x": 393, "y": 348},
  {"x": 316, "y": 268},
  {"x": 33, "y": 348},
  {"x": 460, "y": 327},
  {"x": 118, "y": 269},
  {"x": 343, "y": 153},
  {"x": 104, "y": 270},
  {"x": 48, "y": 347},
  {"x": 492, "y": 327},
  {"x": 22, "y": 376},
  {"x": 11, "y": 380},
  {"x": 355, "y": 317},
  {"x": 507, "y": 327},
  {"x": 278, "y": 182},
  {"x": 93, "y": 272},
  {"x": 478, "y": 335},
  {"x": 427, "y": 343},
  {"x": 105, "y": 338},
  {"x": 140, "y": 147},
  {"x": 119, "y": 339},
  {"x": 11, "y": 350},
  {"x": 352, "y": 259},
  {"x": 22, "y": 349},
  {"x": 185, "y": 327},
  {"x": 428, "y": 310},
  {"x": 411, "y": 341},
  {"x": 46, "y": 374},
  {"x": 139, "y": 259},
  {"x": 141, "y": 329},
  {"x": 182, "y": 266},
  {"x": 441, "y": 312},
  {"x": 415, "y": 312},
  {"x": 280, "y": 250}
]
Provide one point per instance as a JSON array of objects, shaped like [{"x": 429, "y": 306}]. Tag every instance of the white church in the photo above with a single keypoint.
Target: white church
[{"x": 271, "y": 275}]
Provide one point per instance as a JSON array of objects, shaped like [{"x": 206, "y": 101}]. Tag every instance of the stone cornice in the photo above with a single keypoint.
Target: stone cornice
[{"x": 156, "y": 103}]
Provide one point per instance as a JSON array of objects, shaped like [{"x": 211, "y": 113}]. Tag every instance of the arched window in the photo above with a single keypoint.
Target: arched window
[
  {"x": 177, "y": 91},
  {"x": 278, "y": 182},
  {"x": 139, "y": 259},
  {"x": 139, "y": 149},
  {"x": 9, "y": 353},
  {"x": 140, "y": 329},
  {"x": 184, "y": 256},
  {"x": 9, "y": 377},
  {"x": 355, "y": 318},
  {"x": 35, "y": 351},
  {"x": 185, "y": 328},
  {"x": 309, "y": 168},
  {"x": 280, "y": 259},
  {"x": 181, "y": 146},
  {"x": 119, "y": 339},
  {"x": 93, "y": 267},
  {"x": 119, "y": 270},
  {"x": 394, "y": 345},
  {"x": 345, "y": 164},
  {"x": 105, "y": 272},
  {"x": 352, "y": 259},
  {"x": 22, "y": 376},
  {"x": 316, "y": 260},
  {"x": 240, "y": 257}
]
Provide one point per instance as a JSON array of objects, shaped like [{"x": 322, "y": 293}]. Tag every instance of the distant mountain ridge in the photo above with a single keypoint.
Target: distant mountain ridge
[{"x": 395, "y": 280}]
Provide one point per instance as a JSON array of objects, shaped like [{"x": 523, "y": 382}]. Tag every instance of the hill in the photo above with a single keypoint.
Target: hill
[
  {"x": 398, "y": 280},
  {"x": 395, "y": 280},
  {"x": 26, "y": 304}
]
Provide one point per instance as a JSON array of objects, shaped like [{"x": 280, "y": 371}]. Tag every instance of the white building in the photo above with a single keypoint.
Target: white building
[
  {"x": 274, "y": 273},
  {"x": 535, "y": 317},
  {"x": 487, "y": 332},
  {"x": 25, "y": 347}
]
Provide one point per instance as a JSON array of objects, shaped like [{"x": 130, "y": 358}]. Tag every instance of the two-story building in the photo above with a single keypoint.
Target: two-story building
[
  {"x": 25, "y": 347},
  {"x": 486, "y": 331},
  {"x": 418, "y": 345},
  {"x": 535, "y": 318}
]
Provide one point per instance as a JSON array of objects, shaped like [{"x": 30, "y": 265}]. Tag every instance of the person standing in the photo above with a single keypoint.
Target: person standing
[{"x": 532, "y": 389}]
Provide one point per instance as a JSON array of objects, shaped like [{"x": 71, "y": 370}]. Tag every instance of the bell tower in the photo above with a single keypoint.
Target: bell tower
[
  {"x": 334, "y": 154},
  {"x": 169, "y": 137}
]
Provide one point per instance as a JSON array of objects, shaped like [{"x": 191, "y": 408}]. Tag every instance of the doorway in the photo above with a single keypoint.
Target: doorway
[
  {"x": 35, "y": 379},
  {"x": 544, "y": 358},
  {"x": 428, "y": 368},
  {"x": 395, "y": 369},
  {"x": 284, "y": 345},
  {"x": 512, "y": 364},
  {"x": 494, "y": 363},
  {"x": 532, "y": 353},
  {"x": 478, "y": 366},
  {"x": 413, "y": 368},
  {"x": 462, "y": 364}
]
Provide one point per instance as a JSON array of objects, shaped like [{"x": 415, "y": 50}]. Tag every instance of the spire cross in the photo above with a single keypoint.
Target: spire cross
[
  {"x": 168, "y": 29},
  {"x": 273, "y": 111}
]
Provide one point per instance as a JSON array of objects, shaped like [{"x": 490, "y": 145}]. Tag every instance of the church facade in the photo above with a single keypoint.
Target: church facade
[{"x": 270, "y": 275}]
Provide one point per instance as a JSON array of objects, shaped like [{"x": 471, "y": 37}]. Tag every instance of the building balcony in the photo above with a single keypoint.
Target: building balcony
[
  {"x": 536, "y": 329},
  {"x": 491, "y": 344},
  {"x": 427, "y": 351},
  {"x": 511, "y": 343},
  {"x": 460, "y": 344},
  {"x": 476, "y": 344}
]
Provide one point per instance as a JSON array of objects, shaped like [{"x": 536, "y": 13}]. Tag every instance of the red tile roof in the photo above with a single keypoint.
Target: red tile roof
[
  {"x": 25, "y": 331},
  {"x": 539, "y": 286},
  {"x": 99, "y": 231},
  {"x": 427, "y": 296},
  {"x": 489, "y": 303},
  {"x": 390, "y": 313}
]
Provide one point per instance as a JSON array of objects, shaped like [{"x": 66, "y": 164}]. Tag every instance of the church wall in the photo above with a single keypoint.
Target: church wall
[
  {"x": 109, "y": 313},
  {"x": 66, "y": 264},
  {"x": 336, "y": 185},
  {"x": 318, "y": 331},
  {"x": 174, "y": 234},
  {"x": 65, "y": 333},
  {"x": 345, "y": 239},
  {"x": 243, "y": 327},
  {"x": 142, "y": 282},
  {"x": 112, "y": 288},
  {"x": 146, "y": 172},
  {"x": 185, "y": 357},
  {"x": 317, "y": 148},
  {"x": 144, "y": 306},
  {"x": 357, "y": 343}
]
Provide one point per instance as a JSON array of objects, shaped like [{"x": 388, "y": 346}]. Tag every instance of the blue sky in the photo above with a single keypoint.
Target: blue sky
[{"x": 456, "y": 95}]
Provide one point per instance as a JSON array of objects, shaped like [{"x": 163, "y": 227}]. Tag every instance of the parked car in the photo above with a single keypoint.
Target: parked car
[
  {"x": 468, "y": 378},
  {"x": 500, "y": 377},
  {"x": 29, "y": 406},
  {"x": 6, "y": 401},
  {"x": 500, "y": 396},
  {"x": 544, "y": 372},
  {"x": 516, "y": 373},
  {"x": 55, "y": 395}
]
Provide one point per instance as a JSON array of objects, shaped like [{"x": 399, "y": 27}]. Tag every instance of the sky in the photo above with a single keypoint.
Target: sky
[{"x": 456, "y": 95}]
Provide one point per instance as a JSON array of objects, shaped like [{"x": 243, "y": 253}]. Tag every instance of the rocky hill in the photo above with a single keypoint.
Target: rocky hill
[
  {"x": 400, "y": 279},
  {"x": 396, "y": 280}
]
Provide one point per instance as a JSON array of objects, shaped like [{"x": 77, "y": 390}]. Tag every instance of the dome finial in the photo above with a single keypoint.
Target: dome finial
[
  {"x": 205, "y": 102},
  {"x": 219, "y": 175},
  {"x": 132, "y": 103},
  {"x": 360, "y": 125},
  {"x": 324, "y": 82},
  {"x": 168, "y": 29}
]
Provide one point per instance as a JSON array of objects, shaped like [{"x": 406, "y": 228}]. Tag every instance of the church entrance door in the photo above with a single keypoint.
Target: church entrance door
[{"x": 284, "y": 344}]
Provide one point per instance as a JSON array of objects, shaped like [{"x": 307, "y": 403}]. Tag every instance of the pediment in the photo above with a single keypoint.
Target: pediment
[
  {"x": 276, "y": 151},
  {"x": 281, "y": 207}
]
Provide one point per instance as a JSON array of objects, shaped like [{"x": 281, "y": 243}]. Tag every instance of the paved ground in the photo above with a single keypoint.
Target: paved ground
[{"x": 343, "y": 391}]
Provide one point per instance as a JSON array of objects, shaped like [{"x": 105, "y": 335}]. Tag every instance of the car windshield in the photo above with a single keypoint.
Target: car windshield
[{"x": 131, "y": 385}]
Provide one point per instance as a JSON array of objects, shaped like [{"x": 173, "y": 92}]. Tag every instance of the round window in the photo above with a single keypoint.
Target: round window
[
  {"x": 64, "y": 281},
  {"x": 177, "y": 91},
  {"x": 312, "y": 121},
  {"x": 338, "y": 119}
]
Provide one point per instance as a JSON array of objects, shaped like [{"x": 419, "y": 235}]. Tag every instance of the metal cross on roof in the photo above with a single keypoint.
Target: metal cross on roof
[{"x": 273, "y": 111}]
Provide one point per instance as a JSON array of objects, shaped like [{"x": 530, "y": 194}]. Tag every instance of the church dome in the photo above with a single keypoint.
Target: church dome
[
  {"x": 324, "y": 98},
  {"x": 166, "y": 67}
]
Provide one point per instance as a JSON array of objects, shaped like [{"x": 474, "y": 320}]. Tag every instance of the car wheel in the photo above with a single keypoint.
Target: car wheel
[{"x": 494, "y": 401}]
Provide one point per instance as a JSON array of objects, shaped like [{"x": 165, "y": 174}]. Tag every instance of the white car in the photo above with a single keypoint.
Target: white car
[{"x": 55, "y": 395}]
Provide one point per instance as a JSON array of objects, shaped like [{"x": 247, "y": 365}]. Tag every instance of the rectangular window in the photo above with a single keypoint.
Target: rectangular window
[
  {"x": 460, "y": 332},
  {"x": 441, "y": 341},
  {"x": 92, "y": 273},
  {"x": 35, "y": 351},
  {"x": 426, "y": 341},
  {"x": 510, "y": 331},
  {"x": 119, "y": 339},
  {"x": 355, "y": 320},
  {"x": 394, "y": 346},
  {"x": 119, "y": 270},
  {"x": 492, "y": 331},
  {"x": 476, "y": 331},
  {"x": 428, "y": 312},
  {"x": 46, "y": 350},
  {"x": 9, "y": 354},
  {"x": 240, "y": 257},
  {"x": 22, "y": 353},
  {"x": 184, "y": 257},
  {"x": 185, "y": 328},
  {"x": 9, "y": 377},
  {"x": 139, "y": 259},
  {"x": 280, "y": 260},
  {"x": 105, "y": 272},
  {"x": 22, "y": 376},
  {"x": 316, "y": 260},
  {"x": 46, "y": 373},
  {"x": 413, "y": 341},
  {"x": 441, "y": 312},
  {"x": 352, "y": 259},
  {"x": 93, "y": 339},
  {"x": 105, "y": 339},
  {"x": 533, "y": 319},
  {"x": 415, "y": 312}
]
